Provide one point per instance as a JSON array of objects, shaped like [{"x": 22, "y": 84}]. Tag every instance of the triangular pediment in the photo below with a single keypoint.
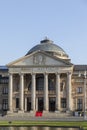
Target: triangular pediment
[{"x": 39, "y": 59}]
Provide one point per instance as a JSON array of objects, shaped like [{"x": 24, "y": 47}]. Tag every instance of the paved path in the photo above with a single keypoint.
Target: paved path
[{"x": 24, "y": 118}]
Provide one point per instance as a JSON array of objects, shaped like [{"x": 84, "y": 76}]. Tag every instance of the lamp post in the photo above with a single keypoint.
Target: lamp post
[{"x": 85, "y": 76}]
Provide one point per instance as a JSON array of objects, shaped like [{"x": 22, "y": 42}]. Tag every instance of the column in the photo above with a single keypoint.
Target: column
[
  {"x": 10, "y": 92},
  {"x": 37, "y": 104},
  {"x": 21, "y": 92},
  {"x": 46, "y": 92},
  {"x": 76, "y": 104},
  {"x": 33, "y": 91},
  {"x": 25, "y": 103},
  {"x": 69, "y": 101},
  {"x": 57, "y": 92}
]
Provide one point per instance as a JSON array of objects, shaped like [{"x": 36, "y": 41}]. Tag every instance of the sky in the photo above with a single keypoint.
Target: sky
[{"x": 24, "y": 23}]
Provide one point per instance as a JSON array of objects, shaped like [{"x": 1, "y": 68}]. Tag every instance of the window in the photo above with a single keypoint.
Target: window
[
  {"x": 17, "y": 86},
  {"x": 79, "y": 104},
  {"x": 5, "y": 104},
  {"x": 17, "y": 102},
  {"x": 79, "y": 90},
  {"x": 63, "y": 102},
  {"x": 40, "y": 83},
  {"x": 5, "y": 90},
  {"x": 62, "y": 85},
  {"x": 51, "y": 85},
  {"x": 4, "y": 81},
  {"x": 29, "y": 87}
]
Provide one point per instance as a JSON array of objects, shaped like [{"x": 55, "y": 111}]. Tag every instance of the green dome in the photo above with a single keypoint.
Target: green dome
[{"x": 47, "y": 46}]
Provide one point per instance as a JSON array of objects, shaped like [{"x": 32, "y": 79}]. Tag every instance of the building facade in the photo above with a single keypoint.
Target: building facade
[{"x": 42, "y": 80}]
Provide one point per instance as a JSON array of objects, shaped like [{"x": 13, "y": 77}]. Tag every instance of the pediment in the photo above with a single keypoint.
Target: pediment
[{"x": 39, "y": 59}]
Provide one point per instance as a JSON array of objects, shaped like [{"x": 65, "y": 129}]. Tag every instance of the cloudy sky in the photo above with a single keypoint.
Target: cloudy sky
[{"x": 24, "y": 23}]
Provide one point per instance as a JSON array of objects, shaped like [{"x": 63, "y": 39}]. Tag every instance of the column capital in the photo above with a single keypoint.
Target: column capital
[
  {"x": 69, "y": 73},
  {"x": 57, "y": 73},
  {"x": 33, "y": 73},
  {"x": 46, "y": 73},
  {"x": 21, "y": 74},
  {"x": 10, "y": 74}
]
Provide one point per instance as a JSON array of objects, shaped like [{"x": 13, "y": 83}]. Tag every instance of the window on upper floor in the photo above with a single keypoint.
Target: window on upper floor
[
  {"x": 4, "y": 80},
  {"x": 51, "y": 84},
  {"x": 79, "y": 90},
  {"x": 40, "y": 83},
  {"x": 29, "y": 86},
  {"x": 62, "y": 85},
  {"x": 5, "y": 90},
  {"x": 17, "y": 86}
]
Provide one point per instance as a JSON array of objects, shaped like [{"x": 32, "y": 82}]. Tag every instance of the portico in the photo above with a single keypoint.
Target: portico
[
  {"x": 34, "y": 94},
  {"x": 40, "y": 81}
]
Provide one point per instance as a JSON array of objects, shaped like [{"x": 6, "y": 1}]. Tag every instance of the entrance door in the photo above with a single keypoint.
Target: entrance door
[
  {"x": 40, "y": 104},
  {"x": 17, "y": 102},
  {"x": 28, "y": 104},
  {"x": 51, "y": 104}
]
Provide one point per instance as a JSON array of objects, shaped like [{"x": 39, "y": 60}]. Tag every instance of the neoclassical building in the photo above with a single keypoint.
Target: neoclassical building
[{"x": 42, "y": 80}]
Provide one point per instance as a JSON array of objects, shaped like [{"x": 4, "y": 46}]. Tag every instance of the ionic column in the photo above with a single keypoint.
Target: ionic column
[
  {"x": 10, "y": 92},
  {"x": 46, "y": 92},
  {"x": 69, "y": 101},
  {"x": 33, "y": 91},
  {"x": 57, "y": 92},
  {"x": 21, "y": 92}
]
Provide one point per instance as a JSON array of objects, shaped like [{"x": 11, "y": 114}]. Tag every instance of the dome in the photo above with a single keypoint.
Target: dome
[{"x": 49, "y": 47}]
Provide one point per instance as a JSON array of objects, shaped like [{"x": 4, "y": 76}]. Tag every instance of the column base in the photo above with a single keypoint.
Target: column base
[
  {"x": 45, "y": 111},
  {"x": 20, "y": 111},
  {"x": 9, "y": 112},
  {"x": 57, "y": 111},
  {"x": 68, "y": 111},
  {"x": 32, "y": 111}
]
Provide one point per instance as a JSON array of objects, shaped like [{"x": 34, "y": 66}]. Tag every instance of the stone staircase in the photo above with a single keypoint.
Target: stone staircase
[
  {"x": 44, "y": 114},
  {"x": 56, "y": 114}
]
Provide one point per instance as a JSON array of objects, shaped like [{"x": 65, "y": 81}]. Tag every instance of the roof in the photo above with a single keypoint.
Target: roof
[
  {"x": 47, "y": 46},
  {"x": 80, "y": 67},
  {"x": 3, "y": 68}
]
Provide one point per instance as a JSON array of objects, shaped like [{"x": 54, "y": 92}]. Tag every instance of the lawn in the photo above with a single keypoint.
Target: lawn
[{"x": 82, "y": 124}]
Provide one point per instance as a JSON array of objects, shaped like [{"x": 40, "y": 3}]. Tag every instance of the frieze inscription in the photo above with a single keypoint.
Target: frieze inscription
[{"x": 38, "y": 70}]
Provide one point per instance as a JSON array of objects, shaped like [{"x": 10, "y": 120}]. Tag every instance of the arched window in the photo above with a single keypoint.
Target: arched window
[
  {"x": 40, "y": 83},
  {"x": 29, "y": 86},
  {"x": 51, "y": 84}
]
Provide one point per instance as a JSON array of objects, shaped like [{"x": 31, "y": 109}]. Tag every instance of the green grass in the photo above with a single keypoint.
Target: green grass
[{"x": 82, "y": 124}]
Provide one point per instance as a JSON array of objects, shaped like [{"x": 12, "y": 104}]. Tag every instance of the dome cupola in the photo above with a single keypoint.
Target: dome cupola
[{"x": 49, "y": 47}]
